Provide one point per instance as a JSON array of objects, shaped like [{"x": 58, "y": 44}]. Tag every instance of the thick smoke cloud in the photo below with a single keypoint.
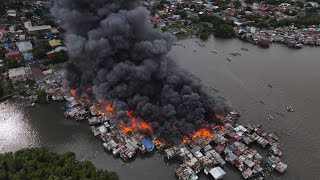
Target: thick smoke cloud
[{"x": 114, "y": 50}]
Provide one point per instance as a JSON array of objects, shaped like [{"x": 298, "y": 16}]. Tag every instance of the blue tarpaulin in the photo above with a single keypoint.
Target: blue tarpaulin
[{"x": 147, "y": 143}]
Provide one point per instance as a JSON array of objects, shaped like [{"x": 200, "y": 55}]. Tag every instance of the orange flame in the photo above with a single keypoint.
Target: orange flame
[
  {"x": 203, "y": 132},
  {"x": 185, "y": 139},
  {"x": 126, "y": 129},
  {"x": 142, "y": 125},
  {"x": 157, "y": 142},
  {"x": 73, "y": 92},
  {"x": 145, "y": 126},
  {"x": 110, "y": 109}
]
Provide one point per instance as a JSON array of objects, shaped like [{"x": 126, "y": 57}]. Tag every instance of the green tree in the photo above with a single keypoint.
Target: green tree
[
  {"x": 237, "y": 4},
  {"x": 204, "y": 35},
  {"x": 2, "y": 53},
  {"x": 39, "y": 53},
  {"x": 38, "y": 12},
  {"x": 12, "y": 63},
  {"x": 2, "y": 7},
  {"x": 39, "y": 163},
  {"x": 300, "y": 4},
  {"x": 41, "y": 96},
  {"x": 183, "y": 14},
  {"x": 1, "y": 94},
  {"x": 224, "y": 30}
]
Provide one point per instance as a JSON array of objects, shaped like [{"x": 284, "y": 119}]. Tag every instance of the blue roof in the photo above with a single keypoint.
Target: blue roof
[
  {"x": 147, "y": 142},
  {"x": 28, "y": 56}
]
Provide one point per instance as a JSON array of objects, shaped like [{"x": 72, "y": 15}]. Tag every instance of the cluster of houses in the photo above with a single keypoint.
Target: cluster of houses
[
  {"x": 232, "y": 144},
  {"x": 101, "y": 124},
  {"x": 29, "y": 36},
  {"x": 177, "y": 16}
]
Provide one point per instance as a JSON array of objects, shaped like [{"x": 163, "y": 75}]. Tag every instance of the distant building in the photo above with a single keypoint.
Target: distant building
[
  {"x": 28, "y": 25},
  {"x": 55, "y": 42},
  {"x": 217, "y": 173},
  {"x": 13, "y": 54},
  {"x": 37, "y": 73},
  {"x": 12, "y": 13},
  {"x": 24, "y": 46},
  {"x": 17, "y": 74}
]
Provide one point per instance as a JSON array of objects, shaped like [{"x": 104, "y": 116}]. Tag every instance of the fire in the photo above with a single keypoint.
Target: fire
[
  {"x": 157, "y": 142},
  {"x": 73, "y": 92},
  {"x": 185, "y": 139},
  {"x": 219, "y": 116},
  {"x": 203, "y": 132},
  {"x": 110, "y": 109},
  {"x": 145, "y": 126},
  {"x": 141, "y": 125},
  {"x": 126, "y": 129}
]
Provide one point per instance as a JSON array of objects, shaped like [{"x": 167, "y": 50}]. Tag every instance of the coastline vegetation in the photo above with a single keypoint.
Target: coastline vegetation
[{"x": 40, "y": 163}]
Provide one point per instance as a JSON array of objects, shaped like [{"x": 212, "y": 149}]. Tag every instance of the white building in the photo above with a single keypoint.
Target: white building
[
  {"x": 217, "y": 173},
  {"x": 28, "y": 25},
  {"x": 17, "y": 74},
  {"x": 24, "y": 46}
]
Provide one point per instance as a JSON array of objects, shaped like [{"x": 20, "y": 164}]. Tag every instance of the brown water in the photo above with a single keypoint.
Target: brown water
[{"x": 295, "y": 81}]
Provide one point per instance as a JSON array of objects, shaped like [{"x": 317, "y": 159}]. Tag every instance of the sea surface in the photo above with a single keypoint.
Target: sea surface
[{"x": 293, "y": 77}]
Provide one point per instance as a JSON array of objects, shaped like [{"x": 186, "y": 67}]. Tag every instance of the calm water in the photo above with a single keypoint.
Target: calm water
[{"x": 295, "y": 81}]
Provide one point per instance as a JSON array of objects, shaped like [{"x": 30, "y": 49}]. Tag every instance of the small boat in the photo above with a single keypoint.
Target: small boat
[
  {"x": 214, "y": 51},
  {"x": 269, "y": 85},
  {"x": 290, "y": 109},
  {"x": 234, "y": 113},
  {"x": 280, "y": 114},
  {"x": 228, "y": 59},
  {"x": 285, "y": 133},
  {"x": 295, "y": 46},
  {"x": 270, "y": 117}
]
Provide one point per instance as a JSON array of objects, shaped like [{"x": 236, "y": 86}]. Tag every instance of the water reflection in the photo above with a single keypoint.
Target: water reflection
[{"x": 16, "y": 131}]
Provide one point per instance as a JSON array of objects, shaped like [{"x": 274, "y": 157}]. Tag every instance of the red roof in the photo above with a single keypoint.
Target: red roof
[
  {"x": 237, "y": 152},
  {"x": 155, "y": 19},
  {"x": 219, "y": 148},
  {"x": 14, "y": 53},
  {"x": 3, "y": 31},
  {"x": 232, "y": 134}
]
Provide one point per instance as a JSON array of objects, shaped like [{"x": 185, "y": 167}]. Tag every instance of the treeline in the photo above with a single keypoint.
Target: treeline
[
  {"x": 306, "y": 20},
  {"x": 39, "y": 163},
  {"x": 6, "y": 87},
  {"x": 220, "y": 27}
]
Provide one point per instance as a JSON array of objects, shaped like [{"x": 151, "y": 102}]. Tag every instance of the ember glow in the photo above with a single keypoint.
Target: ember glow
[
  {"x": 157, "y": 142},
  {"x": 185, "y": 140},
  {"x": 109, "y": 108},
  {"x": 73, "y": 92},
  {"x": 136, "y": 124},
  {"x": 219, "y": 116},
  {"x": 203, "y": 132},
  {"x": 126, "y": 129}
]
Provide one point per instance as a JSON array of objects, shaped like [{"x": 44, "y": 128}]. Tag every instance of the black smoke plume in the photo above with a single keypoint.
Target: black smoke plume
[{"x": 113, "y": 48}]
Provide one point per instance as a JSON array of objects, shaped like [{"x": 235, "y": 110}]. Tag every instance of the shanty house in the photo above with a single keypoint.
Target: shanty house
[
  {"x": 217, "y": 173},
  {"x": 24, "y": 46}
]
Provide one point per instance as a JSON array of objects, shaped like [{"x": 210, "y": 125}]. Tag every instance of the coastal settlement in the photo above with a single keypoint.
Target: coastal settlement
[
  {"x": 207, "y": 149},
  {"x": 31, "y": 53},
  {"x": 293, "y": 23}
]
